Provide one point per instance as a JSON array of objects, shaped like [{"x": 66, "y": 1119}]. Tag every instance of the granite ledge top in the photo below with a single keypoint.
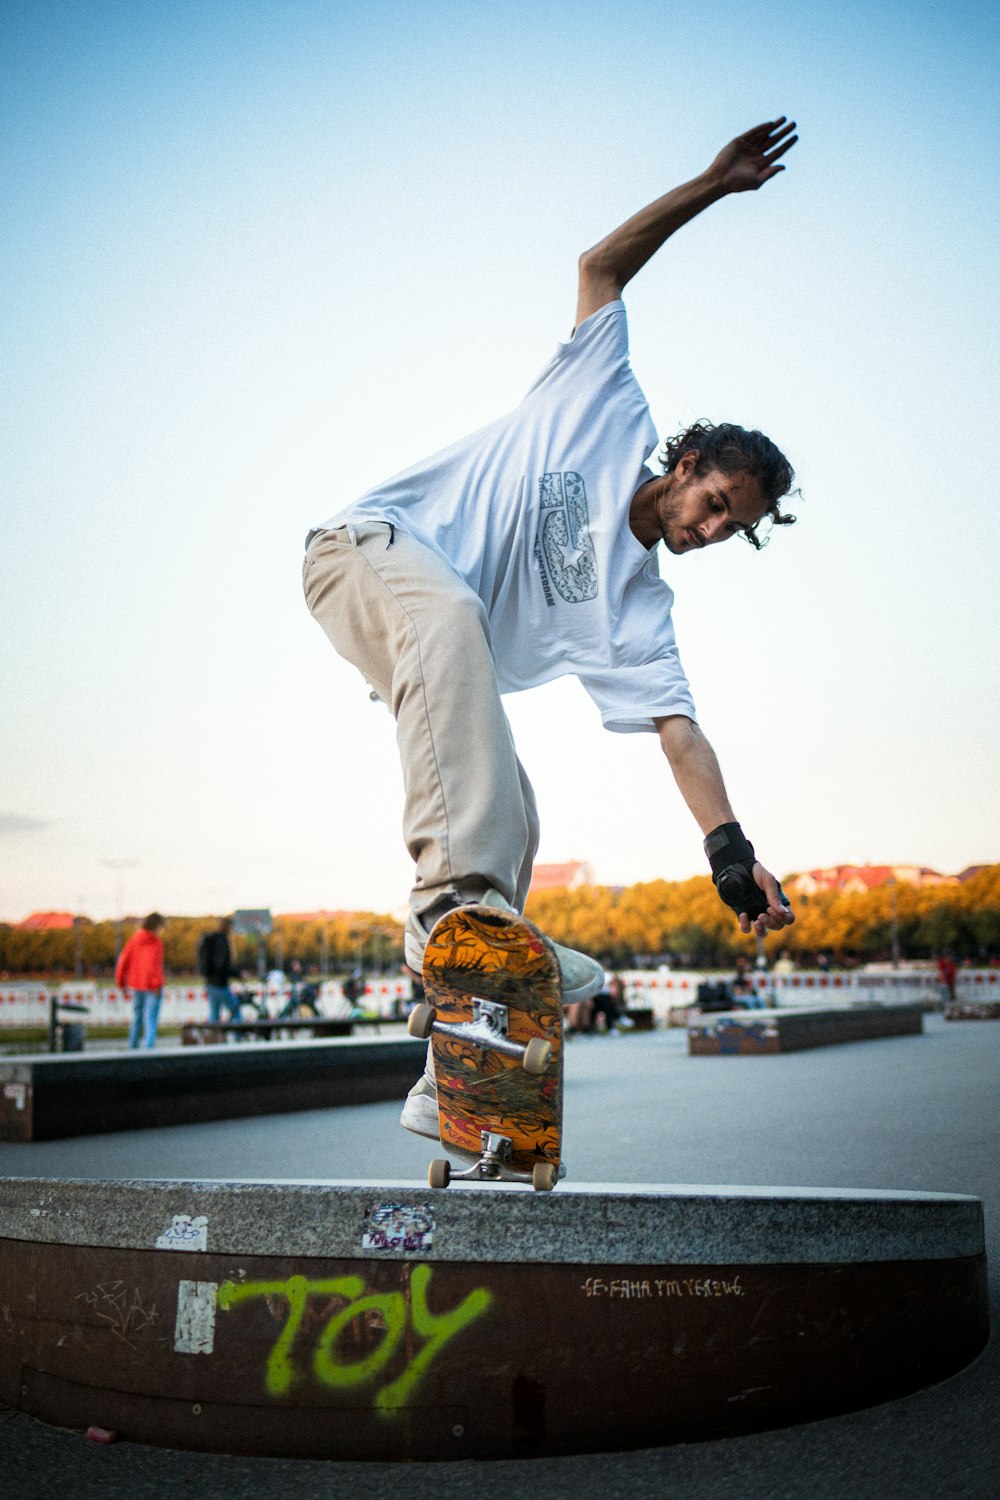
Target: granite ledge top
[{"x": 594, "y": 1223}]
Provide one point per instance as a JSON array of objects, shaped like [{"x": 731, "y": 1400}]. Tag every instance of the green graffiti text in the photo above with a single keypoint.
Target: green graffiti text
[{"x": 387, "y": 1312}]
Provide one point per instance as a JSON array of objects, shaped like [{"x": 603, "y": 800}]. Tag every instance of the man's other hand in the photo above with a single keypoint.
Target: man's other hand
[{"x": 752, "y": 158}]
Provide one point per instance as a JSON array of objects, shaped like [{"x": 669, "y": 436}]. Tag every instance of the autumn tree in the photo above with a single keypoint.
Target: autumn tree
[{"x": 681, "y": 919}]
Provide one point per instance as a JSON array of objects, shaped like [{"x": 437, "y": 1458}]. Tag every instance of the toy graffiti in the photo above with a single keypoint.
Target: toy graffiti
[{"x": 379, "y": 1322}]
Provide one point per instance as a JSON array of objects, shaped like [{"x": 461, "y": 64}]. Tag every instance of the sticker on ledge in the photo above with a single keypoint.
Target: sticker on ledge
[
  {"x": 194, "y": 1331},
  {"x": 398, "y": 1226},
  {"x": 185, "y": 1233}
]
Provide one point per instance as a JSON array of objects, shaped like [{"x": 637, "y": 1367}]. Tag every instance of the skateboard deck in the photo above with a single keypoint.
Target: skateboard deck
[{"x": 494, "y": 1017}]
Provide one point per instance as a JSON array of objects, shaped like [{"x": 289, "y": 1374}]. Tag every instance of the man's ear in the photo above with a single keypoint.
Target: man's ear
[{"x": 687, "y": 464}]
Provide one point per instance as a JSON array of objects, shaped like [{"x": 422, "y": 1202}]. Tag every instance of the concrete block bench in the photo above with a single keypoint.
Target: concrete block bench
[
  {"x": 972, "y": 1010},
  {"x": 761, "y": 1032},
  {"x": 202, "y": 1033},
  {"x": 48, "y": 1098}
]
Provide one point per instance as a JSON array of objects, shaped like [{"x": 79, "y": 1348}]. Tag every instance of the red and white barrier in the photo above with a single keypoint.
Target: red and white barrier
[
  {"x": 27, "y": 1005},
  {"x": 24, "y": 1005},
  {"x": 972, "y": 981},
  {"x": 668, "y": 990}
]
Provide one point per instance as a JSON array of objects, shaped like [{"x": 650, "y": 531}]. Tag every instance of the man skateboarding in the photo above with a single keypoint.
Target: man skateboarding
[{"x": 527, "y": 551}]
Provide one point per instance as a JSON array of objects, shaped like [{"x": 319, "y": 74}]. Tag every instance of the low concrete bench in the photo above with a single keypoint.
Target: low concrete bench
[
  {"x": 972, "y": 1010},
  {"x": 762, "y": 1032},
  {"x": 384, "y": 1321},
  {"x": 49, "y": 1098}
]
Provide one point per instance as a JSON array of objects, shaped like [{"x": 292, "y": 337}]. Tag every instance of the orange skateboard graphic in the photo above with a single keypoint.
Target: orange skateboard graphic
[{"x": 494, "y": 1017}]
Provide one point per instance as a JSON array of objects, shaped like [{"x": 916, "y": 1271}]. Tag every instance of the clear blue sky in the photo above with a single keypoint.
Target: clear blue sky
[{"x": 260, "y": 254}]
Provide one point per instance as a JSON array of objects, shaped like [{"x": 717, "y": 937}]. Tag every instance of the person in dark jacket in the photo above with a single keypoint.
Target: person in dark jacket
[
  {"x": 140, "y": 969},
  {"x": 215, "y": 965}
]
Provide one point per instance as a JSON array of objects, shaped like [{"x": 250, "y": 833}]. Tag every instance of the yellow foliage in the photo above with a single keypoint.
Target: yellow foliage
[{"x": 681, "y": 918}]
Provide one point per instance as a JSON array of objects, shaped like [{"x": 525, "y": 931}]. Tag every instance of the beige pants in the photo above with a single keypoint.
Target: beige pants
[{"x": 421, "y": 638}]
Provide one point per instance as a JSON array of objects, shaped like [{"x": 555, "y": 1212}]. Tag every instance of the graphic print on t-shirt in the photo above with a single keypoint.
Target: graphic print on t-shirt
[{"x": 563, "y": 549}]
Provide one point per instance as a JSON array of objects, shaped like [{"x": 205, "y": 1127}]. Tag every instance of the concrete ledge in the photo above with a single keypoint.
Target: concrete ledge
[
  {"x": 49, "y": 1098},
  {"x": 764, "y": 1032},
  {"x": 766, "y": 1224},
  {"x": 386, "y": 1321}
]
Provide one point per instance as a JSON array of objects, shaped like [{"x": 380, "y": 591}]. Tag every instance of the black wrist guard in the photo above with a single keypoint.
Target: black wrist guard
[{"x": 730, "y": 853}]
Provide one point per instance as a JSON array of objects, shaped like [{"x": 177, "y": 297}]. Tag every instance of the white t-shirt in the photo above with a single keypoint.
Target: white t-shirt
[{"x": 532, "y": 512}]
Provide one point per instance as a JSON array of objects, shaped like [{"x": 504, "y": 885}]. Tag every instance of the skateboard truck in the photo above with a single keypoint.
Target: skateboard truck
[
  {"x": 487, "y": 1029},
  {"x": 494, "y": 1166}
]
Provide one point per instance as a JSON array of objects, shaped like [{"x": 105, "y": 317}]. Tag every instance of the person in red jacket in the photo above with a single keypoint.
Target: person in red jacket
[
  {"x": 140, "y": 969},
  {"x": 947, "y": 973}
]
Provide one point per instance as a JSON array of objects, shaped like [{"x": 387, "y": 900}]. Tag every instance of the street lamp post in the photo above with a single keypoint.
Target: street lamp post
[
  {"x": 895, "y": 924},
  {"x": 119, "y": 866},
  {"x": 78, "y": 947}
]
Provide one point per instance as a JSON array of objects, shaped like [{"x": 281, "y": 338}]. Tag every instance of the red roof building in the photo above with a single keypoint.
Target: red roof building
[
  {"x": 48, "y": 921},
  {"x": 575, "y": 872},
  {"x": 858, "y": 878}
]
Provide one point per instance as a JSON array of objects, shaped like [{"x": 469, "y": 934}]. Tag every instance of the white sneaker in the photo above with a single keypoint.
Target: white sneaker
[
  {"x": 420, "y": 1114},
  {"x": 582, "y": 976},
  {"x": 420, "y": 1110}
]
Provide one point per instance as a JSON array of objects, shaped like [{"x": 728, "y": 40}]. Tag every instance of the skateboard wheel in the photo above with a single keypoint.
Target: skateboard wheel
[
  {"x": 537, "y": 1055},
  {"x": 420, "y": 1021},
  {"x": 439, "y": 1173},
  {"x": 544, "y": 1176}
]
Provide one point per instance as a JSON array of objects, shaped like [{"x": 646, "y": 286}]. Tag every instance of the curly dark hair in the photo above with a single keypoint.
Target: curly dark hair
[{"x": 734, "y": 450}]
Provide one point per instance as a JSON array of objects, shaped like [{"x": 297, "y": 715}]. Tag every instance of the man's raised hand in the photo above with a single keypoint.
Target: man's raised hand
[{"x": 752, "y": 158}]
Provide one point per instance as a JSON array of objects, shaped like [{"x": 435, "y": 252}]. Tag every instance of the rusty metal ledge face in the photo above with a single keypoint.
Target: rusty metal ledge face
[{"x": 375, "y": 1321}]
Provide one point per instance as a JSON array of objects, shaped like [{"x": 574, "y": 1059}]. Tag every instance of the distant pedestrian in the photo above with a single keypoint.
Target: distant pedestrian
[
  {"x": 610, "y": 1005},
  {"x": 578, "y": 1017},
  {"x": 140, "y": 969},
  {"x": 353, "y": 990},
  {"x": 948, "y": 973},
  {"x": 743, "y": 987},
  {"x": 302, "y": 995},
  {"x": 745, "y": 997},
  {"x": 215, "y": 965}
]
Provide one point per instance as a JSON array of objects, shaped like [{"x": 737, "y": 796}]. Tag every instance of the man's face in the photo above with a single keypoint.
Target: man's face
[{"x": 687, "y": 510}]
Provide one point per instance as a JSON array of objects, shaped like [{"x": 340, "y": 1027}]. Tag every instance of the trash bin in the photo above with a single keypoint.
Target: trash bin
[
  {"x": 66, "y": 1036},
  {"x": 71, "y": 1036}
]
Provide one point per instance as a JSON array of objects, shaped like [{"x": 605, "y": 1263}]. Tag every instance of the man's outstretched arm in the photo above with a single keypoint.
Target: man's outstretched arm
[
  {"x": 699, "y": 779},
  {"x": 743, "y": 166}
]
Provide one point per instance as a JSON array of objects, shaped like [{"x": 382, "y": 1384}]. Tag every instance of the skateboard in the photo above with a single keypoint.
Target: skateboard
[{"x": 493, "y": 1013}]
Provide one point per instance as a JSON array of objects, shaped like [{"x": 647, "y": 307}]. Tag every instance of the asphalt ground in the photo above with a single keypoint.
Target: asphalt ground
[{"x": 902, "y": 1113}]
